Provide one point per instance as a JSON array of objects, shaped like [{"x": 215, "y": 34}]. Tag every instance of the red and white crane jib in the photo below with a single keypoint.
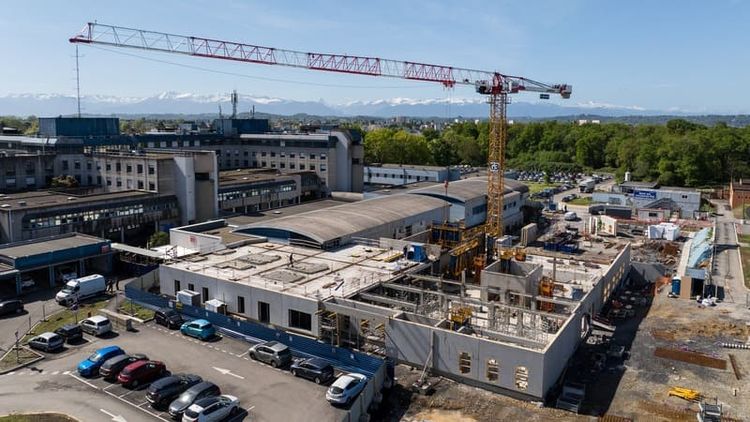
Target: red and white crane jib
[{"x": 484, "y": 82}]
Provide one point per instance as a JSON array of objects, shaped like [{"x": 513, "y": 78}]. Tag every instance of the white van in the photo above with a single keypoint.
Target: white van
[{"x": 81, "y": 288}]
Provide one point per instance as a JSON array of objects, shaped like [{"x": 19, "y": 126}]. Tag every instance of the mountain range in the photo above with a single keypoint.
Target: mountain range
[{"x": 193, "y": 104}]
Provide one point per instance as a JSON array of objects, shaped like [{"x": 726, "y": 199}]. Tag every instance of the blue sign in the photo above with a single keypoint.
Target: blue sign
[{"x": 644, "y": 194}]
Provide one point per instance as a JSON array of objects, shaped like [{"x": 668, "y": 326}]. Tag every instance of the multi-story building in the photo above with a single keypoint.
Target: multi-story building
[
  {"x": 253, "y": 190},
  {"x": 739, "y": 193},
  {"x": 394, "y": 174},
  {"x": 118, "y": 215}
]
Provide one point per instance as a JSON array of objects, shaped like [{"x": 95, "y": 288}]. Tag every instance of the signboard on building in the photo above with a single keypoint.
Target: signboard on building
[{"x": 644, "y": 194}]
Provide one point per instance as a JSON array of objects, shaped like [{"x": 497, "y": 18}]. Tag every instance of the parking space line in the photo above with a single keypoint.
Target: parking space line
[
  {"x": 125, "y": 394},
  {"x": 109, "y": 386},
  {"x": 66, "y": 373},
  {"x": 85, "y": 382}
]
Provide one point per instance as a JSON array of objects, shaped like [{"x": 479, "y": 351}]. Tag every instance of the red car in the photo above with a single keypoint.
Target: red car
[{"x": 141, "y": 372}]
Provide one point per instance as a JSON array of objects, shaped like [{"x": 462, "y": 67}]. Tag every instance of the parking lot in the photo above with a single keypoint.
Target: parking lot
[{"x": 265, "y": 393}]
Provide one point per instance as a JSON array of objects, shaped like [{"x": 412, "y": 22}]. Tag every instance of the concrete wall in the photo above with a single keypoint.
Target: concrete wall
[
  {"x": 197, "y": 241},
  {"x": 410, "y": 342},
  {"x": 228, "y": 292},
  {"x": 393, "y": 175}
]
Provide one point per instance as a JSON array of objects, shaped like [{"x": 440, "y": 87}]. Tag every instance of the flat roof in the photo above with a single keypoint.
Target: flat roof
[
  {"x": 43, "y": 199},
  {"x": 411, "y": 167},
  {"x": 467, "y": 189},
  {"x": 349, "y": 219},
  {"x": 240, "y": 176},
  {"x": 382, "y": 190},
  {"x": 650, "y": 185},
  {"x": 314, "y": 274},
  {"x": 46, "y": 245}
]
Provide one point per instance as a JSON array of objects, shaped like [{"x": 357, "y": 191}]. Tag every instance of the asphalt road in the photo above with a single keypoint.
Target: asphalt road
[
  {"x": 265, "y": 393},
  {"x": 726, "y": 267},
  {"x": 35, "y": 305}
]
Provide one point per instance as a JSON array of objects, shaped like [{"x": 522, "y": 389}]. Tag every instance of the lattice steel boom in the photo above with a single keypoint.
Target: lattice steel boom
[{"x": 495, "y": 85}]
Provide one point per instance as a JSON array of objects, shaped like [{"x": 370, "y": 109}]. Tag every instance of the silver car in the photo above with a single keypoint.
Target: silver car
[
  {"x": 273, "y": 353},
  {"x": 47, "y": 342}
]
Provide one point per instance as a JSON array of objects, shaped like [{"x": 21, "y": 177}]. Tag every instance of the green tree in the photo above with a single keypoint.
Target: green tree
[{"x": 159, "y": 238}]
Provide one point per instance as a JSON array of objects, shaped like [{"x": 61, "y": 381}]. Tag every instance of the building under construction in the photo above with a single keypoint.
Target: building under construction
[{"x": 368, "y": 275}]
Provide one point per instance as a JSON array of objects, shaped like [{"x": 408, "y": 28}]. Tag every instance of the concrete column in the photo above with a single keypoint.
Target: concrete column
[
  {"x": 81, "y": 267},
  {"x": 491, "y": 315},
  {"x": 519, "y": 324},
  {"x": 18, "y": 283},
  {"x": 51, "y": 276}
]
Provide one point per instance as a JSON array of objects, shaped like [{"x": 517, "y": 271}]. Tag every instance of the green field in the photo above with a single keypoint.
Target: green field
[
  {"x": 37, "y": 417},
  {"x": 135, "y": 310},
  {"x": 586, "y": 200},
  {"x": 535, "y": 187},
  {"x": 10, "y": 360}
]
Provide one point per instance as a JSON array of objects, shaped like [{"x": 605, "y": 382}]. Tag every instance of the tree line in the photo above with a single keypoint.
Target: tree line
[{"x": 679, "y": 153}]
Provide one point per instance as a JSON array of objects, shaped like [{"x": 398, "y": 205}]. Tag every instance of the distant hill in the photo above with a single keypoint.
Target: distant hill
[{"x": 187, "y": 105}]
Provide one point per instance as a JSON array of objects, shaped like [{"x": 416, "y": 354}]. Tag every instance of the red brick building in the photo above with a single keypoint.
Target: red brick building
[{"x": 739, "y": 193}]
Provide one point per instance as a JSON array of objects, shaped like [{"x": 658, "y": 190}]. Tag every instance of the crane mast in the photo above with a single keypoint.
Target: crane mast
[{"x": 496, "y": 86}]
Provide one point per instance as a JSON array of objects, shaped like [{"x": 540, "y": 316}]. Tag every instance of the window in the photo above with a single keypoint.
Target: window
[
  {"x": 151, "y": 170},
  {"x": 300, "y": 320},
  {"x": 302, "y": 166},
  {"x": 176, "y": 286},
  {"x": 464, "y": 362},
  {"x": 264, "y": 312},
  {"x": 493, "y": 370},
  {"x": 191, "y": 287},
  {"x": 240, "y": 304},
  {"x": 108, "y": 166},
  {"x": 118, "y": 166},
  {"x": 89, "y": 165},
  {"x": 140, "y": 168},
  {"x": 312, "y": 166},
  {"x": 129, "y": 168},
  {"x": 292, "y": 166},
  {"x": 65, "y": 164},
  {"x": 140, "y": 184},
  {"x": 204, "y": 296},
  {"x": 522, "y": 378},
  {"x": 151, "y": 186},
  {"x": 273, "y": 154},
  {"x": 312, "y": 156}
]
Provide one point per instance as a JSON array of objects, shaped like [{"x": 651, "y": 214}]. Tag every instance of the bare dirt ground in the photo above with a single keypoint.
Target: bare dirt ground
[{"x": 642, "y": 393}]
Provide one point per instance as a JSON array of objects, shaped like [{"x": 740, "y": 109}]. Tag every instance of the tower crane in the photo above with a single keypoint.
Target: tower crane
[{"x": 495, "y": 85}]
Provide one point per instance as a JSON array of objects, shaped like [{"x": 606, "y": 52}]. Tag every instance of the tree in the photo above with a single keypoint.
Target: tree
[
  {"x": 159, "y": 238},
  {"x": 64, "y": 181}
]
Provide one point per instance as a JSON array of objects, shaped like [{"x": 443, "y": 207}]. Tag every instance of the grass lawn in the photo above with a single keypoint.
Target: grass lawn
[
  {"x": 135, "y": 310},
  {"x": 586, "y": 200},
  {"x": 10, "y": 361},
  {"x": 37, "y": 417},
  {"x": 745, "y": 256},
  {"x": 738, "y": 212},
  {"x": 535, "y": 187},
  {"x": 67, "y": 316}
]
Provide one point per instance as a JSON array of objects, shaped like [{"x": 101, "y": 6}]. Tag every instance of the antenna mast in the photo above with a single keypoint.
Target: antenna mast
[
  {"x": 234, "y": 104},
  {"x": 78, "y": 85}
]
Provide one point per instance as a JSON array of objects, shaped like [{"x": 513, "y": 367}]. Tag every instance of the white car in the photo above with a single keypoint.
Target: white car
[
  {"x": 212, "y": 409},
  {"x": 96, "y": 325},
  {"x": 346, "y": 388}
]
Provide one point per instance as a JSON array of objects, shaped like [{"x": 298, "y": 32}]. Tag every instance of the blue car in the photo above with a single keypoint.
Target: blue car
[
  {"x": 198, "y": 328},
  {"x": 91, "y": 365}
]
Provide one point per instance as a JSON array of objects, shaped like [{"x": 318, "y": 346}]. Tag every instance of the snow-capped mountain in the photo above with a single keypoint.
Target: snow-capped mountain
[{"x": 188, "y": 103}]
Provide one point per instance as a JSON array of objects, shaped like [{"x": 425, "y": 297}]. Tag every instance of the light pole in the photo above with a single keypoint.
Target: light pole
[{"x": 18, "y": 360}]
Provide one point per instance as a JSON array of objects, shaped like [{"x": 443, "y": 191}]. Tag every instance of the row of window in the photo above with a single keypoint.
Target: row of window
[
  {"x": 302, "y": 155},
  {"x": 274, "y": 164},
  {"x": 401, "y": 176},
  {"x": 492, "y": 374},
  {"x": 297, "y": 319},
  {"x": 93, "y": 215},
  {"x": 108, "y": 165},
  {"x": 249, "y": 193}
]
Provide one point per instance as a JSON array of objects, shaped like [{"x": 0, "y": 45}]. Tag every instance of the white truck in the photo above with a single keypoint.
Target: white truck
[
  {"x": 587, "y": 186},
  {"x": 81, "y": 288}
]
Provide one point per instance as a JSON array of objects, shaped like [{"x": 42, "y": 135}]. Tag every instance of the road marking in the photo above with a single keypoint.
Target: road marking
[
  {"x": 11, "y": 373},
  {"x": 125, "y": 394},
  {"x": 66, "y": 373},
  {"x": 228, "y": 372},
  {"x": 116, "y": 418},
  {"x": 84, "y": 381},
  {"x": 109, "y": 386},
  {"x": 56, "y": 372}
]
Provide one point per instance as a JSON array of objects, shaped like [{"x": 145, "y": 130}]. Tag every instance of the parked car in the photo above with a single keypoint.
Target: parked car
[
  {"x": 112, "y": 367},
  {"x": 72, "y": 333},
  {"x": 96, "y": 325},
  {"x": 315, "y": 369},
  {"x": 198, "y": 328},
  {"x": 212, "y": 409},
  {"x": 27, "y": 283},
  {"x": 90, "y": 366},
  {"x": 165, "y": 390},
  {"x": 141, "y": 372},
  {"x": 346, "y": 388},
  {"x": 190, "y": 396},
  {"x": 13, "y": 306},
  {"x": 47, "y": 342},
  {"x": 273, "y": 353},
  {"x": 168, "y": 318}
]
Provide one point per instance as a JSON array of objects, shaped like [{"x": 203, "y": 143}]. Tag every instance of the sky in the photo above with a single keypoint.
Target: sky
[{"x": 672, "y": 55}]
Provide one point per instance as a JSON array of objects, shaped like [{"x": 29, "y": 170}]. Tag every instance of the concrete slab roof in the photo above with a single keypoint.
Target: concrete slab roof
[
  {"x": 278, "y": 213},
  {"x": 46, "y": 245},
  {"x": 349, "y": 219},
  {"x": 43, "y": 199}
]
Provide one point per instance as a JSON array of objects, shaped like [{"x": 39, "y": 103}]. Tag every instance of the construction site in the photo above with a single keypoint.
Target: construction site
[{"x": 459, "y": 286}]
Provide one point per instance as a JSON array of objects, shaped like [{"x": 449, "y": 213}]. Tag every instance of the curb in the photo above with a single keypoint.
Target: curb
[
  {"x": 23, "y": 365},
  {"x": 739, "y": 256}
]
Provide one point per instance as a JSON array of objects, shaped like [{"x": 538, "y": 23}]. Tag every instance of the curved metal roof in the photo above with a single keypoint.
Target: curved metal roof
[
  {"x": 468, "y": 189},
  {"x": 349, "y": 219}
]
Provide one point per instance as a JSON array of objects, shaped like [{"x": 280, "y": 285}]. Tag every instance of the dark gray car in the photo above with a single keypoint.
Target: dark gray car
[
  {"x": 165, "y": 390},
  {"x": 274, "y": 353},
  {"x": 9, "y": 307},
  {"x": 196, "y": 392}
]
